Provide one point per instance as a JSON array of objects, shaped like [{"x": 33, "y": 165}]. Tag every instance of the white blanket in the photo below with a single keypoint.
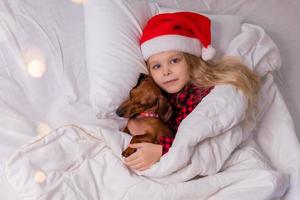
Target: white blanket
[{"x": 61, "y": 164}]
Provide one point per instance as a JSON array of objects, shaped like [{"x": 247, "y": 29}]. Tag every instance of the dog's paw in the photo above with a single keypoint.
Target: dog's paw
[{"x": 127, "y": 152}]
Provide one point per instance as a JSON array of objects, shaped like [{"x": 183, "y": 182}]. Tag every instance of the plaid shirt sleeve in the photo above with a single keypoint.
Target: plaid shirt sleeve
[{"x": 166, "y": 143}]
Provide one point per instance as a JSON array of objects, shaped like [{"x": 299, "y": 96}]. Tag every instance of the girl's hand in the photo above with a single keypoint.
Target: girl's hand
[{"x": 146, "y": 155}]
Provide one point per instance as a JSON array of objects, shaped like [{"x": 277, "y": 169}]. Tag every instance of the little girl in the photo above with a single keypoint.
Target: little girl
[{"x": 178, "y": 52}]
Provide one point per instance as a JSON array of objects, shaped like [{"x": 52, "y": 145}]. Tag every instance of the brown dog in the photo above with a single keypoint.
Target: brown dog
[{"x": 150, "y": 109}]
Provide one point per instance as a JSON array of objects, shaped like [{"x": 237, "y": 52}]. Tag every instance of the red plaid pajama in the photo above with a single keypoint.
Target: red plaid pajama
[{"x": 183, "y": 103}]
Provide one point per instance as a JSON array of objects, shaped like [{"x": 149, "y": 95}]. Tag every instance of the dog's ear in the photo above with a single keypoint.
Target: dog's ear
[
  {"x": 164, "y": 108},
  {"x": 141, "y": 78}
]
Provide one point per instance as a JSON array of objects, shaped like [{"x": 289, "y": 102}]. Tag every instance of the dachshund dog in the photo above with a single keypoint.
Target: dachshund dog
[{"x": 150, "y": 109}]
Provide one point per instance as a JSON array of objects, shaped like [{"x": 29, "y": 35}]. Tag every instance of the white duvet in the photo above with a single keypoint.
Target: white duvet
[{"x": 216, "y": 157}]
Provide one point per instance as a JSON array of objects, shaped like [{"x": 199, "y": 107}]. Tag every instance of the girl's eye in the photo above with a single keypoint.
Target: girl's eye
[
  {"x": 156, "y": 66},
  {"x": 175, "y": 60}
]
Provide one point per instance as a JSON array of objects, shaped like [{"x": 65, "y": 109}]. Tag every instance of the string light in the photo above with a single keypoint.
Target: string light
[
  {"x": 79, "y": 1},
  {"x": 36, "y": 68},
  {"x": 39, "y": 176},
  {"x": 43, "y": 129}
]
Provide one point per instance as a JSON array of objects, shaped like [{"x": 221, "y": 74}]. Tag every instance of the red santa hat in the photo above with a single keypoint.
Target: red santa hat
[{"x": 181, "y": 31}]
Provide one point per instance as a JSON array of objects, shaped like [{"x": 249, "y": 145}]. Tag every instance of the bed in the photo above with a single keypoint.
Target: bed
[{"x": 60, "y": 84}]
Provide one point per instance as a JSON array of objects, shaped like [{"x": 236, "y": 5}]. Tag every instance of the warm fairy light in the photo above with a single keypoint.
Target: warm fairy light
[
  {"x": 39, "y": 176},
  {"x": 43, "y": 129},
  {"x": 36, "y": 68},
  {"x": 79, "y": 1}
]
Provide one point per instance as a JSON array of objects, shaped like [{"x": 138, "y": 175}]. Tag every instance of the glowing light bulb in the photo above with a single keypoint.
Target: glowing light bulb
[
  {"x": 43, "y": 129},
  {"x": 36, "y": 68},
  {"x": 40, "y": 177},
  {"x": 79, "y": 1}
]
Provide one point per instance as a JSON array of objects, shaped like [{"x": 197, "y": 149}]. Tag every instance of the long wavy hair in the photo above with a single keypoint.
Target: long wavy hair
[{"x": 227, "y": 70}]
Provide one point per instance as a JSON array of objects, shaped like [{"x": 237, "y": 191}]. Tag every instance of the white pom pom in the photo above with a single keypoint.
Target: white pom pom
[{"x": 208, "y": 53}]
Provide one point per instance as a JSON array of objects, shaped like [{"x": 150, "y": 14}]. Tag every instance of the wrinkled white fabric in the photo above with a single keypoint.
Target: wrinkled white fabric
[{"x": 215, "y": 137}]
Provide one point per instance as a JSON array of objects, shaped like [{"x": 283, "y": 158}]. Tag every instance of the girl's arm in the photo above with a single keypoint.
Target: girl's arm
[
  {"x": 221, "y": 110},
  {"x": 147, "y": 153},
  {"x": 215, "y": 128}
]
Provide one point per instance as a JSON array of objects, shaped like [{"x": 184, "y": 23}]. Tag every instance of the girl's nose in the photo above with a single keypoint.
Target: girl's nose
[{"x": 166, "y": 71}]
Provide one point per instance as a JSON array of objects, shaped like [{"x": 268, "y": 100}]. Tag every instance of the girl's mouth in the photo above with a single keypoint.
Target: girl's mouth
[{"x": 170, "y": 81}]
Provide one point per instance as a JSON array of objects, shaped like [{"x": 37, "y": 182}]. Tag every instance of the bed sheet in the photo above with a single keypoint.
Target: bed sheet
[
  {"x": 28, "y": 28},
  {"x": 46, "y": 25}
]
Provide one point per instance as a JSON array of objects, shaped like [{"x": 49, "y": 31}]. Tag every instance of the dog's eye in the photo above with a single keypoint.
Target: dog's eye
[{"x": 143, "y": 103}]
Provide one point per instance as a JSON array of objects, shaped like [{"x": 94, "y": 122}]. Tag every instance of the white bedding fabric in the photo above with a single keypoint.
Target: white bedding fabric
[{"x": 85, "y": 155}]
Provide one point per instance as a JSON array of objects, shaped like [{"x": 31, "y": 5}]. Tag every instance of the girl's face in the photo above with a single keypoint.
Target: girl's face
[{"x": 169, "y": 70}]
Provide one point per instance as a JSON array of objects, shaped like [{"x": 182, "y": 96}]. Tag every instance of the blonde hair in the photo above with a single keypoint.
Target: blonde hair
[{"x": 228, "y": 70}]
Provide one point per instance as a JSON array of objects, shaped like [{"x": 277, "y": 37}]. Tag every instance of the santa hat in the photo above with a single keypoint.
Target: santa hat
[{"x": 181, "y": 31}]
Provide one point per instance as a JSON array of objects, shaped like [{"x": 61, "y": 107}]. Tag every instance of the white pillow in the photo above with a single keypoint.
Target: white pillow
[{"x": 114, "y": 60}]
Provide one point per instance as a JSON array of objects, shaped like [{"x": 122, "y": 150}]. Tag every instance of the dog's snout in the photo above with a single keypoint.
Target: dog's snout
[{"x": 120, "y": 112}]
